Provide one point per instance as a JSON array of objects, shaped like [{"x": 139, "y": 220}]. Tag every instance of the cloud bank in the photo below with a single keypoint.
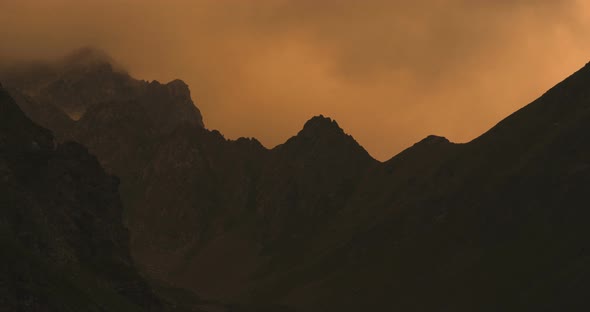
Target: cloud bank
[{"x": 391, "y": 72}]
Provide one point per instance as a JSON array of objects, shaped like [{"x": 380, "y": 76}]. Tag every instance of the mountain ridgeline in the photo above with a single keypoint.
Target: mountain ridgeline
[{"x": 316, "y": 224}]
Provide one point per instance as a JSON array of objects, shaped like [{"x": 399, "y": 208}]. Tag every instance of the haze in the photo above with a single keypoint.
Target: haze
[{"x": 389, "y": 72}]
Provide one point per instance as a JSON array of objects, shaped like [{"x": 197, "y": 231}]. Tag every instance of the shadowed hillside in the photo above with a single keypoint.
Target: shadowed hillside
[{"x": 64, "y": 247}]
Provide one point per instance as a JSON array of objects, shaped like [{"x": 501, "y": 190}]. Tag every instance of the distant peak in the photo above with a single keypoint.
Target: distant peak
[
  {"x": 179, "y": 88},
  {"x": 178, "y": 83},
  {"x": 322, "y": 138},
  {"x": 431, "y": 140},
  {"x": 320, "y": 118},
  {"x": 250, "y": 142},
  {"x": 434, "y": 139},
  {"x": 320, "y": 124},
  {"x": 176, "y": 88}
]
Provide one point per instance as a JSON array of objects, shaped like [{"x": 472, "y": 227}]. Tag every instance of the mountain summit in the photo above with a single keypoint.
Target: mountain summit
[{"x": 320, "y": 124}]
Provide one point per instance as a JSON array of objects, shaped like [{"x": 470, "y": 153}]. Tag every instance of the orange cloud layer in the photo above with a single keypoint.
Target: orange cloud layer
[{"x": 390, "y": 72}]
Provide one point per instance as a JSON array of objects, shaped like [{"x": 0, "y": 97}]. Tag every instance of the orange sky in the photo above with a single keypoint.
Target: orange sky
[{"x": 389, "y": 72}]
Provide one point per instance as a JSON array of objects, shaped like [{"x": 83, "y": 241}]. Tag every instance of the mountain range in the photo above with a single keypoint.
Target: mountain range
[{"x": 314, "y": 224}]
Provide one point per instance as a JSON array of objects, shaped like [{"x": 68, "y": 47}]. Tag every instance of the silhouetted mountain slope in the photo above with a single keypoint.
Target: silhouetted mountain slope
[
  {"x": 310, "y": 177},
  {"x": 234, "y": 199},
  {"x": 64, "y": 247},
  {"x": 497, "y": 224}
]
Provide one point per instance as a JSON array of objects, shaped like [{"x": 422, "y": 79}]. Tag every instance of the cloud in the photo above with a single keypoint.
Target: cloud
[{"x": 391, "y": 72}]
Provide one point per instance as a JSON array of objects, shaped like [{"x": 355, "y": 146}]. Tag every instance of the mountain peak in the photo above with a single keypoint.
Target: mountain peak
[
  {"x": 179, "y": 88},
  {"x": 434, "y": 139},
  {"x": 318, "y": 125},
  {"x": 322, "y": 138}
]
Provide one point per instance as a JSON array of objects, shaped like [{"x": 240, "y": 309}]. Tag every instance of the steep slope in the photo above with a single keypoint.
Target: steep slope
[
  {"x": 310, "y": 178},
  {"x": 209, "y": 201},
  {"x": 64, "y": 245},
  {"x": 116, "y": 129},
  {"x": 197, "y": 207},
  {"x": 498, "y": 224}
]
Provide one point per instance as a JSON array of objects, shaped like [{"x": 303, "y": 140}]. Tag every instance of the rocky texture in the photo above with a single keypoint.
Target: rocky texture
[
  {"x": 64, "y": 247},
  {"x": 316, "y": 224},
  {"x": 88, "y": 77}
]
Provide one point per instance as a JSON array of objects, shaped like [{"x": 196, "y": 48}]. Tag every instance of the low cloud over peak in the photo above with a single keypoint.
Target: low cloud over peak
[{"x": 390, "y": 72}]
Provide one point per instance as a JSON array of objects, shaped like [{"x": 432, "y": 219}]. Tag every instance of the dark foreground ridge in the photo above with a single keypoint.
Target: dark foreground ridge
[
  {"x": 64, "y": 247},
  {"x": 316, "y": 224}
]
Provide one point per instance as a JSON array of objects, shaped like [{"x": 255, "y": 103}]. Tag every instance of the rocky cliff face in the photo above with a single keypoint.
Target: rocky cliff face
[
  {"x": 63, "y": 241},
  {"x": 317, "y": 224}
]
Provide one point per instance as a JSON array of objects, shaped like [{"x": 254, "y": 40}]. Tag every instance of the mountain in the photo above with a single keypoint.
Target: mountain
[
  {"x": 215, "y": 200},
  {"x": 310, "y": 177},
  {"x": 88, "y": 77},
  {"x": 64, "y": 246},
  {"x": 497, "y": 224},
  {"x": 316, "y": 224}
]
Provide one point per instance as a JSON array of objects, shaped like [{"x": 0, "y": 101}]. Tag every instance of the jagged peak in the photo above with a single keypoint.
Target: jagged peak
[
  {"x": 320, "y": 120},
  {"x": 319, "y": 125},
  {"x": 179, "y": 88},
  {"x": 323, "y": 136},
  {"x": 177, "y": 83},
  {"x": 176, "y": 88},
  {"x": 250, "y": 141}
]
